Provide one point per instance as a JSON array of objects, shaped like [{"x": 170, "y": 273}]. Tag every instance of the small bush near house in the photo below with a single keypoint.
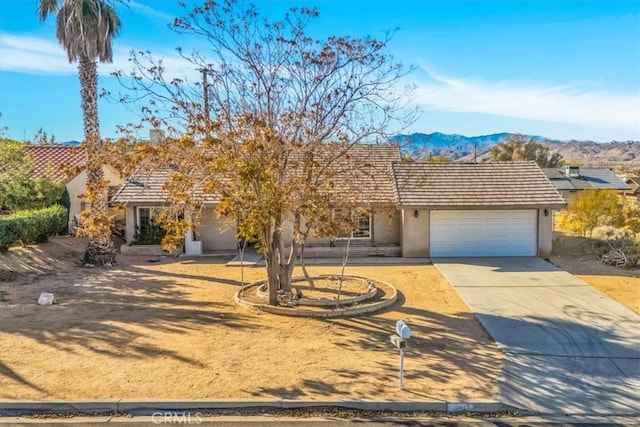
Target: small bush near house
[
  {"x": 151, "y": 235},
  {"x": 33, "y": 226}
]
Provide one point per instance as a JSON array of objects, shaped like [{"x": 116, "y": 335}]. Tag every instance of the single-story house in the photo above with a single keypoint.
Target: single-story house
[
  {"x": 571, "y": 179},
  {"x": 55, "y": 160},
  {"x": 423, "y": 209},
  {"x": 371, "y": 181}
]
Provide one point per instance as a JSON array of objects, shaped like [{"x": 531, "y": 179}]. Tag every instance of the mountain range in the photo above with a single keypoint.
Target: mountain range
[{"x": 464, "y": 148}]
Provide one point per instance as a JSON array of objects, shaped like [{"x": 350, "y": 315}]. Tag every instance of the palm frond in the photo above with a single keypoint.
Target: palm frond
[
  {"x": 85, "y": 29},
  {"x": 46, "y": 8}
]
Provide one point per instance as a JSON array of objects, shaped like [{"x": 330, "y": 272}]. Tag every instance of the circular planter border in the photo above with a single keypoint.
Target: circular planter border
[
  {"x": 328, "y": 313},
  {"x": 325, "y": 302}
]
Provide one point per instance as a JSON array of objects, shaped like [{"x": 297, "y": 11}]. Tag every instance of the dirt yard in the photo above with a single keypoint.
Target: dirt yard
[
  {"x": 170, "y": 329},
  {"x": 580, "y": 256}
]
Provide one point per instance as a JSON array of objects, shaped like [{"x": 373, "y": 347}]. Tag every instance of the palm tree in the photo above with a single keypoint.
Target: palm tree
[{"x": 85, "y": 29}]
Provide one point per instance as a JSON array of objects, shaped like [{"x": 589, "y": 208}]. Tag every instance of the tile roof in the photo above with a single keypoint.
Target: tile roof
[
  {"x": 145, "y": 188},
  {"x": 54, "y": 160},
  {"x": 365, "y": 172},
  {"x": 590, "y": 178},
  {"x": 466, "y": 185}
]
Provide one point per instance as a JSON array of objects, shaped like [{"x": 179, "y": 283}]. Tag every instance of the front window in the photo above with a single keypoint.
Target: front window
[
  {"x": 362, "y": 229},
  {"x": 144, "y": 218}
]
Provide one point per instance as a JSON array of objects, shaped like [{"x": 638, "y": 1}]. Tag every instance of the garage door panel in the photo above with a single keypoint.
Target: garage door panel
[{"x": 483, "y": 233}]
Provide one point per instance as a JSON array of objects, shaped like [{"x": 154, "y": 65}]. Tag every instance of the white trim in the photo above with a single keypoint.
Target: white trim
[{"x": 370, "y": 237}]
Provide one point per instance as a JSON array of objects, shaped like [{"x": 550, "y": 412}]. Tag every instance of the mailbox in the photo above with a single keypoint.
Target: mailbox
[
  {"x": 398, "y": 342},
  {"x": 403, "y": 330}
]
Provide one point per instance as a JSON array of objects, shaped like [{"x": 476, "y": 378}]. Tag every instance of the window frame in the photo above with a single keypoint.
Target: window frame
[
  {"x": 139, "y": 227},
  {"x": 369, "y": 218}
]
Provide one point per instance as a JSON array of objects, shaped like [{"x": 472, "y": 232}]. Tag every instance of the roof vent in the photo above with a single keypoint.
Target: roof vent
[{"x": 573, "y": 171}]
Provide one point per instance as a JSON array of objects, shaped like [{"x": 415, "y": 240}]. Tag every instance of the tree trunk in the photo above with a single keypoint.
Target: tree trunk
[
  {"x": 272, "y": 278},
  {"x": 97, "y": 226},
  {"x": 307, "y": 277},
  {"x": 279, "y": 267},
  {"x": 345, "y": 260}
]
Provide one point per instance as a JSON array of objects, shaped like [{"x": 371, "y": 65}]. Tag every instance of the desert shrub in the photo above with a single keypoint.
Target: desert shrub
[
  {"x": 35, "y": 226},
  {"x": 622, "y": 242},
  {"x": 631, "y": 214},
  {"x": 588, "y": 210},
  {"x": 614, "y": 234}
]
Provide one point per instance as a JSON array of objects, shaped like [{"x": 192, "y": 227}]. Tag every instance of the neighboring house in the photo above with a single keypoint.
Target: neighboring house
[
  {"x": 55, "y": 161},
  {"x": 571, "y": 179},
  {"x": 634, "y": 187},
  {"x": 475, "y": 209},
  {"x": 425, "y": 210}
]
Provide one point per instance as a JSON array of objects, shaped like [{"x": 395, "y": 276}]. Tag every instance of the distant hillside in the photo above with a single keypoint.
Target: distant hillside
[{"x": 463, "y": 148}]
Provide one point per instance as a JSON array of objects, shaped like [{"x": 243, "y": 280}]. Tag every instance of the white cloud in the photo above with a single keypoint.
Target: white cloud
[
  {"x": 33, "y": 55},
  {"x": 567, "y": 104},
  {"x": 149, "y": 11}
]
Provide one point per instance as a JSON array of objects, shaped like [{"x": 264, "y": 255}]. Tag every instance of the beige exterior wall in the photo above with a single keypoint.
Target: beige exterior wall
[
  {"x": 214, "y": 233},
  {"x": 386, "y": 227},
  {"x": 76, "y": 186},
  {"x": 567, "y": 194},
  {"x": 415, "y": 233},
  {"x": 385, "y": 230},
  {"x": 545, "y": 232},
  {"x": 130, "y": 223}
]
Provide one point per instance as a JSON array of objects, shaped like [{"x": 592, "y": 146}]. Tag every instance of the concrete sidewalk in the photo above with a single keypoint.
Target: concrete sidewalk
[
  {"x": 250, "y": 258},
  {"x": 568, "y": 348},
  {"x": 253, "y": 259}
]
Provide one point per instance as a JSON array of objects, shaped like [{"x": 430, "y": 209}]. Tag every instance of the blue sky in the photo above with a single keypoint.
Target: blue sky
[{"x": 561, "y": 69}]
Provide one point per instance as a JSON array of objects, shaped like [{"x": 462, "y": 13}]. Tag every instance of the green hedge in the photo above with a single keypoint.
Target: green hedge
[
  {"x": 33, "y": 226},
  {"x": 8, "y": 233}
]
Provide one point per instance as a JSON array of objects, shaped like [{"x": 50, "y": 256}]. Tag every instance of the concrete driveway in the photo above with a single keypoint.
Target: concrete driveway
[{"x": 569, "y": 349}]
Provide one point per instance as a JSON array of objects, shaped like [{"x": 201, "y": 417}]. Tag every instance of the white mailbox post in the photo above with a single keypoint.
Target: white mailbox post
[{"x": 400, "y": 339}]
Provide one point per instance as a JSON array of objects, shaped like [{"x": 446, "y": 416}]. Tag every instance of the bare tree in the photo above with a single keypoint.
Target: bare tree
[{"x": 278, "y": 142}]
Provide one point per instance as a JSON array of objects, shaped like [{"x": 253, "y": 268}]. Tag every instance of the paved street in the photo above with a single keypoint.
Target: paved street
[{"x": 569, "y": 349}]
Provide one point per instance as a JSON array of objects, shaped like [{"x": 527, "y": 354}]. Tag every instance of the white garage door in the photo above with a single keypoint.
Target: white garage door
[{"x": 483, "y": 233}]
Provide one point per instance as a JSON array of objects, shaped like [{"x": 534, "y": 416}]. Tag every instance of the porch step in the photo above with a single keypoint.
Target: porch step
[{"x": 356, "y": 251}]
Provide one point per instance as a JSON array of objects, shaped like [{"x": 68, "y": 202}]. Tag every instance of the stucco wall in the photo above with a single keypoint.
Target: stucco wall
[
  {"x": 415, "y": 234},
  {"x": 385, "y": 230},
  {"x": 386, "y": 227},
  {"x": 545, "y": 232},
  {"x": 130, "y": 223},
  {"x": 76, "y": 186},
  {"x": 214, "y": 233}
]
